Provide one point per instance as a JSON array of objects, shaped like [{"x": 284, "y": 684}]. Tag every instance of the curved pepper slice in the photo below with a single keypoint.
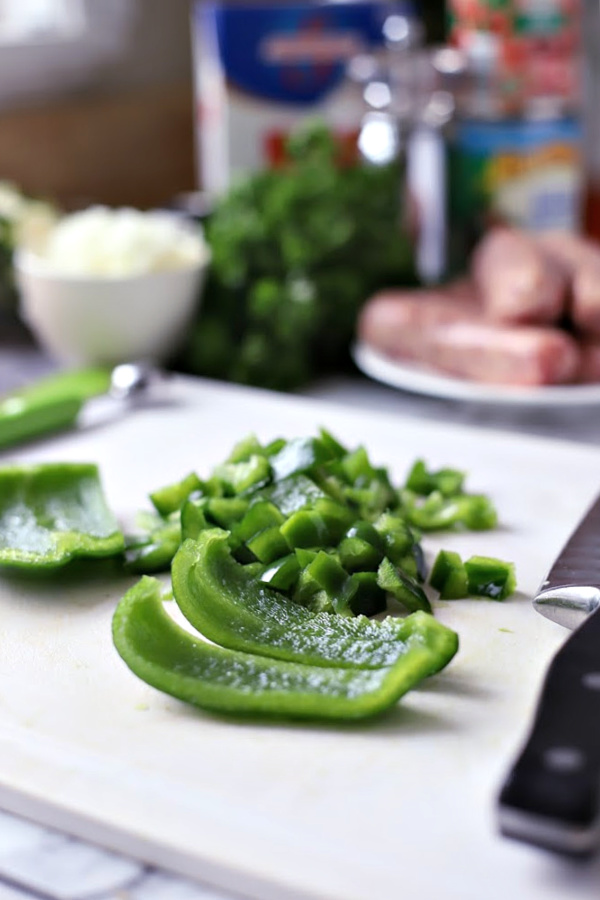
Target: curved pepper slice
[
  {"x": 230, "y": 607},
  {"x": 53, "y": 512},
  {"x": 176, "y": 662}
]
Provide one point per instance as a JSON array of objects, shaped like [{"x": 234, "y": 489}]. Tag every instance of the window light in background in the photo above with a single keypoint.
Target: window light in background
[{"x": 35, "y": 21}]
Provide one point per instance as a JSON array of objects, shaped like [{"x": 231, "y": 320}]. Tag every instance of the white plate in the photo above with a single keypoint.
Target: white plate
[{"x": 419, "y": 380}]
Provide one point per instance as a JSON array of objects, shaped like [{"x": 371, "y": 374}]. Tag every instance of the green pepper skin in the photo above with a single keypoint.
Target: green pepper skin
[
  {"x": 221, "y": 680},
  {"x": 230, "y": 607},
  {"x": 53, "y": 512}
]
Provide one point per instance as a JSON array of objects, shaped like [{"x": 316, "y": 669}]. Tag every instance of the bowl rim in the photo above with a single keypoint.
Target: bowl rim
[{"x": 30, "y": 263}]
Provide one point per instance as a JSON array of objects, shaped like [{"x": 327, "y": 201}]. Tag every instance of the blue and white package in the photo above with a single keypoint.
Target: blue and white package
[{"x": 260, "y": 69}]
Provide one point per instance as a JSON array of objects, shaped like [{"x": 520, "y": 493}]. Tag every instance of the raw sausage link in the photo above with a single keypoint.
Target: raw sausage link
[
  {"x": 518, "y": 282},
  {"x": 526, "y": 355},
  {"x": 580, "y": 259},
  {"x": 589, "y": 366},
  {"x": 398, "y": 322},
  {"x": 452, "y": 336}
]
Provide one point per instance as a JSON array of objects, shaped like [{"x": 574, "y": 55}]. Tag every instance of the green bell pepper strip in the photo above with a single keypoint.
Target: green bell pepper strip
[
  {"x": 51, "y": 513},
  {"x": 217, "y": 679},
  {"x": 229, "y": 607},
  {"x": 48, "y": 405}
]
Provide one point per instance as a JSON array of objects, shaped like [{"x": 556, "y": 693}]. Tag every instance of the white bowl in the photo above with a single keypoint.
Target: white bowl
[{"x": 97, "y": 320}]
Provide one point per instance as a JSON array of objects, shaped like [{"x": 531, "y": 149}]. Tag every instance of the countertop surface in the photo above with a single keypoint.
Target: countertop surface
[{"x": 39, "y": 862}]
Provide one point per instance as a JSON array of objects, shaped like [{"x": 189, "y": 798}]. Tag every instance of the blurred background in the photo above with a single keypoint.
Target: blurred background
[{"x": 252, "y": 119}]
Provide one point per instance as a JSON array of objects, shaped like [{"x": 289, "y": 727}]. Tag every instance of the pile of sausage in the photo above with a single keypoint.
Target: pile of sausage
[{"x": 528, "y": 314}]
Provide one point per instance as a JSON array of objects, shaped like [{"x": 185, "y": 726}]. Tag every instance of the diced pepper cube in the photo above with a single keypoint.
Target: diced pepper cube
[
  {"x": 193, "y": 519},
  {"x": 489, "y": 577},
  {"x": 421, "y": 480},
  {"x": 298, "y": 455},
  {"x": 292, "y": 494},
  {"x": 282, "y": 574},
  {"x": 332, "y": 445},
  {"x": 356, "y": 554},
  {"x": 241, "y": 476},
  {"x": 268, "y": 545},
  {"x": 401, "y": 586},
  {"x": 259, "y": 515},
  {"x": 172, "y": 497},
  {"x": 305, "y": 529},
  {"x": 369, "y": 598},
  {"x": 226, "y": 511},
  {"x": 449, "y": 576},
  {"x": 332, "y": 578},
  {"x": 244, "y": 449}
]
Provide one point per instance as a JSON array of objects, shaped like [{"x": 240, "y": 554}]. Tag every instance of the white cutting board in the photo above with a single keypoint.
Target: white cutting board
[{"x": 399, "y": 807}]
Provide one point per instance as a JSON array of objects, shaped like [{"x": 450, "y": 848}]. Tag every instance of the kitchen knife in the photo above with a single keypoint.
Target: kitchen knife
[{"x": 552, "y": 795}]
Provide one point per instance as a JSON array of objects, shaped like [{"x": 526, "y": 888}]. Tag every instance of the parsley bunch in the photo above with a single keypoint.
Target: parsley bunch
[{"x": 296, "y": 252}]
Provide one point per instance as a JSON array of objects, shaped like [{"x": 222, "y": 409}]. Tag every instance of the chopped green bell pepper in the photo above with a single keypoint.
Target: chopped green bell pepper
[
  {"x": 53, "y": 512},
  {"x": 153, "y": 549},
  {"x": 405, "y": 589},
  {"x": 281, "y": 574},
  {"x": 172, "y": 660},
  {"x": 479, "y": 576},
  {"x": 436, "y": 512},
  {"x": 218, "y": 597},
  {"x": 297, "y": 456},
  {"x": 449, "y": 576},
  {"x": 421, "y": 480},
  {"x": 268, "y": 545},
  {"x": 242, "y": 476},
  {"x": 292, "y": 493},
  {"x": 490, "y": 577},
  {"x": 172, "y": 497}
]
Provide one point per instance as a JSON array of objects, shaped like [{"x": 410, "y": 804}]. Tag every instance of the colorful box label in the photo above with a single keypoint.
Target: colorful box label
[
  {"x": 524, "y": 173},
  {"x": 262, "y": 68}
]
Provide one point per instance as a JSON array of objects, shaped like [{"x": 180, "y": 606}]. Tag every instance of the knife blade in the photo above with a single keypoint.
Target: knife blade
[{"x": 551, "y": 796}]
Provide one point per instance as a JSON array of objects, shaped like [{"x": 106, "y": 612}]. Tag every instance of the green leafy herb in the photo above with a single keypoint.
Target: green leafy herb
[{"x": 295, "y": 253}]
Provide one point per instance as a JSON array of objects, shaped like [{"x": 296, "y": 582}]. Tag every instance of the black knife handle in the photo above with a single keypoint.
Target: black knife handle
[{"x": 551, "y": 797}]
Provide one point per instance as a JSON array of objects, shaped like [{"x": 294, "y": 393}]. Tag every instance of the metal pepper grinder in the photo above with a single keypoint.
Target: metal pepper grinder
[{"x": 409, "y": 102}]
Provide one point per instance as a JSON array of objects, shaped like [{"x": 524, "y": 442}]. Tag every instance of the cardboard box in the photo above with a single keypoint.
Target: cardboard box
[{"x": 260, "y": 69}]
